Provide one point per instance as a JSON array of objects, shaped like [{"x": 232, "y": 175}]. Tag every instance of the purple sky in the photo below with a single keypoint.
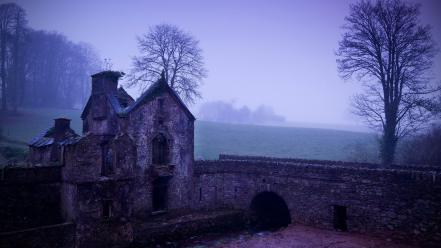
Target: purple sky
[{"x": 277, "y": 53}]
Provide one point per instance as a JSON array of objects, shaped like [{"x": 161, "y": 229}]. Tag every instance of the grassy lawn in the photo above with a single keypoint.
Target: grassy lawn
[{"x": 211, "y": 138}]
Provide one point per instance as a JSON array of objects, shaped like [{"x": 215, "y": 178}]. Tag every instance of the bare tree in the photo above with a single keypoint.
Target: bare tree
[
  {"x": 17, "y": 75},
  {"x": 423, "y": 148},
  {"x": 166, "y": 47},
  {"x": 386, "y": 48},
  {"x": 7, "y": 13},
  {"x": 12, "y": 29}
]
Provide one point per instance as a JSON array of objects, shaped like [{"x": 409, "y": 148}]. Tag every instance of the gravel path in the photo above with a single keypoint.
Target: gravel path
[{"x": 295, "y": 236}]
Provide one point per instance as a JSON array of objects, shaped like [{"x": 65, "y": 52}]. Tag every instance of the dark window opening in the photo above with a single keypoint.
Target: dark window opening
[
  {"x": 215, "y": 193},
  {"x": 159, "y": 150},
  {"x": 54, "y": 153},
  {"x": 124, "y": 104},
  {"x": 159, "y": 194},
  {"x": 269, "y": 211},
  {"x": 340, "y": 218},
  {"x": 107, "y": 208},
  {"x": 106, "y": 160},
  {"x": 161, "y": 103},
  {"x": 200, "y": 194},
  {"x": 85, "y": 126}
]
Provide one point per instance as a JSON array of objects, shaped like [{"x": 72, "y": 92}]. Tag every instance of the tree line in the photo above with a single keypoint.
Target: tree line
[{"x": 40, "y": 68}]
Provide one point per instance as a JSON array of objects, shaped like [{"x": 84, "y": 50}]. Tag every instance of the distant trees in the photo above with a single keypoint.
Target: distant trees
[
  {"x": 57, "y": 70},
  {"x": 423, "y": 149},
  {"x": 40, "y": 68},
  {"x": 12, "y": 28},
  {"x": 220, "y": 111},
  {"x": 166, "y": 47},
  {"x": 385, "y": 46}
]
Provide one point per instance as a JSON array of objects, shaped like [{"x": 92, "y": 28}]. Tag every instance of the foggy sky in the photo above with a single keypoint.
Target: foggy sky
[{"x": 277, "y": 53}]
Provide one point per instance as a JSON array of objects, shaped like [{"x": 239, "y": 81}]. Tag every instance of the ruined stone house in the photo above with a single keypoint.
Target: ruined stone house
[
  {"x": 133, "y": 157},
  {"x": 134, "y": 162}
]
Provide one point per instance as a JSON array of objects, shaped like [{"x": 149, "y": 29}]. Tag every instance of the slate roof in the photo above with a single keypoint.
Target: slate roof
[
  {"x": 117, "y": 100},
  {"x": 124, "y": 98},
  {"x": 46, "y": 138}
]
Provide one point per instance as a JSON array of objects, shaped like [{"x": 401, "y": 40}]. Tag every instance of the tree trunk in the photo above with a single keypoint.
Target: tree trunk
[
  {"x": 389, "y": 139},
  {"x": 3, "y": 71},
  {"x": 14, "y": 81}
]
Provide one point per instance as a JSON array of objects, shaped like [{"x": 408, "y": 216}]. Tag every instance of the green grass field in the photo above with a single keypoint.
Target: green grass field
[{"x": 211, "y": 138}]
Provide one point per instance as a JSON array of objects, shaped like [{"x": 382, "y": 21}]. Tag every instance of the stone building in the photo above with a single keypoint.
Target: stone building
[
  {"x": 131, "y": 178},
  {"x": 134, "y": 158},
  {"x": 47, "y": 147}
]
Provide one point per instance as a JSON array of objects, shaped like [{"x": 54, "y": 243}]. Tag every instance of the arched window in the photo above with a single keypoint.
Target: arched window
[
  {"x": 159, "y": 150},
  {"x": 106, "y": 160}
]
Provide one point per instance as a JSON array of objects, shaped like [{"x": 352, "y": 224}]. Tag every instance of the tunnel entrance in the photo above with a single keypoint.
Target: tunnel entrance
[{"x": 269, "y": 211}]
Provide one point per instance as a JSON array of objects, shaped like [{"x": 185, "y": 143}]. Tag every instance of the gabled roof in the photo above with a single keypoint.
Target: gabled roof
[
  {"x": 124, "y": 98},
  {"x": 154, "y": 90},
  {"x": 46, "y": 138},
  {"x": 118, "y": 101}
]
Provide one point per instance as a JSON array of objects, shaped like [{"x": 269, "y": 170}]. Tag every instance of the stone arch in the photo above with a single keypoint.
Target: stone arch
[{"x": 269, "y": 211}]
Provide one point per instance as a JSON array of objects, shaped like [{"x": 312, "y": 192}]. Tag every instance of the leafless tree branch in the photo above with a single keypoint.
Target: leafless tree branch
[{"x": 166, "y": 47}]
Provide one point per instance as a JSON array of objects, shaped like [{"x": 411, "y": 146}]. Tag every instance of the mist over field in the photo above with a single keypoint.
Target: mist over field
[
  {"x": 226, "y": 112},
  {"x": 251, "y": 63},
  {"x": 229, "y": 123}
]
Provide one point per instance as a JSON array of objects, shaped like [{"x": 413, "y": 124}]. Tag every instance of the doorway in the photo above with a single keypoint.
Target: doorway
[
  {"x": 340, "y": 217},
  {"x": 159, "y": 193}
]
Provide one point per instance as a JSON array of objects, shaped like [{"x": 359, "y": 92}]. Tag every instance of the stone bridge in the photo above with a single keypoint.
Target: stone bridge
[{"x": 401, "y": 202}]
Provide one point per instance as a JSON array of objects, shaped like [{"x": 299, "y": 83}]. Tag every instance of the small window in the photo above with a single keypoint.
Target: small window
[
  {"x": 340, "y": 218},
  {"x": 161, "y": 104},
  {"x": 200, "y": 194},
  {"x": 107, "y": 208},
  {"x": 161, "y": 121},
  {"x": 85, "y": 126},
  {"x": 106, "y": 160}
]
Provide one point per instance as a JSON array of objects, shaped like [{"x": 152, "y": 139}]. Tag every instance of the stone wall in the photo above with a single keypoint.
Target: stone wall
[
  {"x": 29, "y": 197},
  {"x": 398, "y": 203},
  {"x": 164, "y": 116},
  {"x": 330, "y": 162},
  {"x": 60, "y": 236}
]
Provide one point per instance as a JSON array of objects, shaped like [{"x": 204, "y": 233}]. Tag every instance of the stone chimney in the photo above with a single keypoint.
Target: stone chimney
[
  {"x": 105, "y": 82},
  {"x": 60, "y": 127}
]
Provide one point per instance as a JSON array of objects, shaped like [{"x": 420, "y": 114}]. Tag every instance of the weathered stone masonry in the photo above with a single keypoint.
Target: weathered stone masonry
[
  {"x": 402, "y": 203},
  {"x": 134, "y": 165}
]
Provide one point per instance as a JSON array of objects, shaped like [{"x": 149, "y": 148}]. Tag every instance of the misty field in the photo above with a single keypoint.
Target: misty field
[{"x": 211, "y": 138}]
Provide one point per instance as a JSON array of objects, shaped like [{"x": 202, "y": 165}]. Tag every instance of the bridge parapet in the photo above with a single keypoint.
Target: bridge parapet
[{"x": 401, "y": 202}]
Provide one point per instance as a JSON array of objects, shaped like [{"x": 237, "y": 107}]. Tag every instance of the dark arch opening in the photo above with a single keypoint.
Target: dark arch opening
[
  {"x": 269, "y": 211},
  {"x": 159, "y": 193},
  {"x": 159, "y": 150}
]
